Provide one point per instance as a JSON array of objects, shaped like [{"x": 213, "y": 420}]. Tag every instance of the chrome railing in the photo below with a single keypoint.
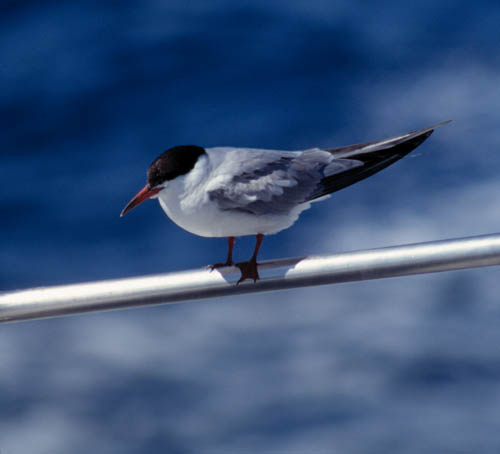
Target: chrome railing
[{"x": 431, "y": 257}]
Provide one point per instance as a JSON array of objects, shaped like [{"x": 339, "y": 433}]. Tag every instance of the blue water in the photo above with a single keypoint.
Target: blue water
[{"x": 91, "y": 93}]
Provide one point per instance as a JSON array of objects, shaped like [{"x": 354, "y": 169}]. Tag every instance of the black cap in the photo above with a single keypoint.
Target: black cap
[{"x": 174, "y": 162}]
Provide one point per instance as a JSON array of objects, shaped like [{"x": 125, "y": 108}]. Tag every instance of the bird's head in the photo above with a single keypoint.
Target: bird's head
[{"x": 169, "y": 165}]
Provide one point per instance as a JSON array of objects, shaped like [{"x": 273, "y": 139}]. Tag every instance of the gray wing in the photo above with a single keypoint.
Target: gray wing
[{"x": 272, "y": 182}]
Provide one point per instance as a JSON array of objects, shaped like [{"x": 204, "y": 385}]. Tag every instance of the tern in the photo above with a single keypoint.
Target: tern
[{"x": 232, "y": 192}]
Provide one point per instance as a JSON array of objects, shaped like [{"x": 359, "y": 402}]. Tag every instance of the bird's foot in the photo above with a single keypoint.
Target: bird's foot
[
  {"x": 248, "y": 271},
  {"x": 220, "y": 265}
]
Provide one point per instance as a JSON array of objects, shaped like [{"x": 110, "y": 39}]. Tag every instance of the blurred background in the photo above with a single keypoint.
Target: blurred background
[{"x": 92, "y": 92}]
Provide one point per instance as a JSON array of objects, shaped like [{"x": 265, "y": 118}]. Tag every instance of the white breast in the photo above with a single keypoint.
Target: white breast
[{"x": 186, "y": 202}]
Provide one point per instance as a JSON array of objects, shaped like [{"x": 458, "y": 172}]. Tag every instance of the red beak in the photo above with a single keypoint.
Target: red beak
[{"x": 144, "y": 194}]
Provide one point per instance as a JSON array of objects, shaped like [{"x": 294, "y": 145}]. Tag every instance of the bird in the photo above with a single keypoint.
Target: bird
[{"x": 232, "y": 192}]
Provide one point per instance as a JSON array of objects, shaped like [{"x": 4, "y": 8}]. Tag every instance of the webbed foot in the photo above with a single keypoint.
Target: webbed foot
[{"x": 248, "y": 271}]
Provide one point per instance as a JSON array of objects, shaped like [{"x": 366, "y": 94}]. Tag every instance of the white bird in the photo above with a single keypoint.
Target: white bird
[{"x": 231, "y": 192}]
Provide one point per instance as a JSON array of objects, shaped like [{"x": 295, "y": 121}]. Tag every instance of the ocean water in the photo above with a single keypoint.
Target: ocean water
[{"x": 91, "y": 93}]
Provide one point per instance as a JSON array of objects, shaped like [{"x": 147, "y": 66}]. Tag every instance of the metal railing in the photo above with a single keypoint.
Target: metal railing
[{"x": 431, "y": 257}]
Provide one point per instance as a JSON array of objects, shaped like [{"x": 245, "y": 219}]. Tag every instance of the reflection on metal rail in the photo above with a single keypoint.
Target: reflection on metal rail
[{"x": 404, "y": 260}]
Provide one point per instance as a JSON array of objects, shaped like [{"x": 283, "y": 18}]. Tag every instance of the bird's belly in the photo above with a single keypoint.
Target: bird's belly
[{"x": 209, "y": 221}]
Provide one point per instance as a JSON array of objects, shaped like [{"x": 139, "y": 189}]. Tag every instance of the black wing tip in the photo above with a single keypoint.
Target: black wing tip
[
  {"x": 445, "y": 122},
  {"x": 423, "y": 134},
  {"x": 347, "y": 151},
  {"x": 374, "y": 161},
  {"x": 432, "y": 128}
]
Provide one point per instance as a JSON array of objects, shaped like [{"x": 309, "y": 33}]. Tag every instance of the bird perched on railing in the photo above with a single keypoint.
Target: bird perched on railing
[{"x": 231, "y": 192}]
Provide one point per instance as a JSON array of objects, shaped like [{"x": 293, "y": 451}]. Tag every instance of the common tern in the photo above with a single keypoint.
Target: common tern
[{"x": 232, "y": 192}]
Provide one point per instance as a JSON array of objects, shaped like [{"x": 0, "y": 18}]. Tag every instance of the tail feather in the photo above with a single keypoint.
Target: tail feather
[{"x": 375, "y": 157}]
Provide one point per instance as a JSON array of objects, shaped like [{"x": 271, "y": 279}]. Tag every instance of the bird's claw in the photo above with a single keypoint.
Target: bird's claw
[
  {"x": 248, "y": 271},
  {"x": 219, "y": 265}
]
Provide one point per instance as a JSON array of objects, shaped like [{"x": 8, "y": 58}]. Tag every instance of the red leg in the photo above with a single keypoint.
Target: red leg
[
  {"x": 249, "y": 269},
  {"x": 258, "y": 242},
  {"x": 230, "y": 245},
  {"x": 229, "y": 260}
]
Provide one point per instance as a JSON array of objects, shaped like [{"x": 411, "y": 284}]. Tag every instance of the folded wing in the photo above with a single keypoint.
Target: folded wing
[{"x": 274, "y": 182}]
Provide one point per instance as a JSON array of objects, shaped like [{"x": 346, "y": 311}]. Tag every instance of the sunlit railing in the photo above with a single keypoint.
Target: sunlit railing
[{"x": 431, "y": 257}]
